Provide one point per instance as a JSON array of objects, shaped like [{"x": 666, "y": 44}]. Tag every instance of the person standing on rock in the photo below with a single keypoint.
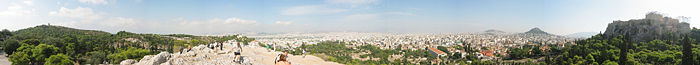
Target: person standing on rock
[
  {"x": 237, "y": 53},
  {"x": 239, "y": 47},
  {"x": 303, "y": 52},
  {"x": 221, "y": 45},
  {"x": 268, "y": 47}
]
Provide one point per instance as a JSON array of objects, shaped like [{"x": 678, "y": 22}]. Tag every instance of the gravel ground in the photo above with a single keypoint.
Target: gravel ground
[{"x": 3, "y": 59}]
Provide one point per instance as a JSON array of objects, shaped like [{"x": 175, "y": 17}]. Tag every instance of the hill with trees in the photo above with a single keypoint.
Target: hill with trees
[
  {"x": 47, "y": 44},
  {"x": 655, "y": 40}
]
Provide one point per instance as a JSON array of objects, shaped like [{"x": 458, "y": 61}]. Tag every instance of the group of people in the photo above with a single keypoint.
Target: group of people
[
  {"x": 281, "y": 59},
  {"x": 220, "y": 45}
]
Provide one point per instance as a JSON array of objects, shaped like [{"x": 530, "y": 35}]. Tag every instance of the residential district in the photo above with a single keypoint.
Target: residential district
[{"x": 487, "y": 44}]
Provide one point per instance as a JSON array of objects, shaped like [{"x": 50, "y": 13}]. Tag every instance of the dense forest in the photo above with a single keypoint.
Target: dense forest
[{"x": 57, "y": 45}]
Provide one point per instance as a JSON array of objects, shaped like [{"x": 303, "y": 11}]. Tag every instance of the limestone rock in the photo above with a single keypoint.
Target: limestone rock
[
  {"x": 199, "y": 55},
  {"x": 154, "y": 59},
  {"x": 127, "y": 62},
  {"x": 654, "y": 26}
]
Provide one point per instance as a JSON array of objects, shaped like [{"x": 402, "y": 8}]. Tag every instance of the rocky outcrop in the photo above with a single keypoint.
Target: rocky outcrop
[
  {"x": 654, "y": 26},
  {"x": 127, "y": 62},
  {"x": 154, "y": 59},
  {"x": 198, "y": 55}
]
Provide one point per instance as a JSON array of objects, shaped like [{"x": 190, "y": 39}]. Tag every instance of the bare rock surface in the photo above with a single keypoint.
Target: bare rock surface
[
  {"x": 654, "y": 26},
  {"x": 203, "y": 55}
]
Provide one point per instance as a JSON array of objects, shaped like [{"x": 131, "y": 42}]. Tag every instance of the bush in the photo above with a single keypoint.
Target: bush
[
  {"x": 19, "y": 58},
  {"x": 43, "y": 51},
  {"x": 94, "y": 57},
  {"x": 31, "y": 41},
  {"x": 11, "y": 45},
  {"x": 131, "y": 53}
]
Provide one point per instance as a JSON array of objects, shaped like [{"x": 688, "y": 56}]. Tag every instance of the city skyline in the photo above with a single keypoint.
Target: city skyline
[{"x": 224, "y": 16}]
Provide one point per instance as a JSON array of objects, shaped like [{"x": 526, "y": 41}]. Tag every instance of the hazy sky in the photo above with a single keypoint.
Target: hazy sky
[{"x": 227, "y": 16}]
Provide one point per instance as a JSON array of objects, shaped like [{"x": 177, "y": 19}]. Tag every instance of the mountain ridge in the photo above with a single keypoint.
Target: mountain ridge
[{"x": 536, "y": 31}]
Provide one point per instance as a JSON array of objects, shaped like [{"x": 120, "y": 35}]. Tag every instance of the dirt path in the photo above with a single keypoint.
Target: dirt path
[
  {"x": 4, "y": 60},
  {"x": 262, "y": 56}
]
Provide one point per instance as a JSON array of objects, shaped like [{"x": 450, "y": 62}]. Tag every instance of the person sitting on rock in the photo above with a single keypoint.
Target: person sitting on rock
[
  {"x": 210, "y": 46},
  {"x": 282, "y": 59},
  {"x": 189, "y": 47}
]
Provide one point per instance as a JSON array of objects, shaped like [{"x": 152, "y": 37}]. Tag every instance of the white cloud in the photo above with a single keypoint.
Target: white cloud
[
  {"x": 120, "y": 22},
  {"x": 15, "y": 10},
  {"x": 352, "y": 2},
  {"x": 30, "y": 3},
  {"x": 85, "y": 14},
  {"x": 283, "y": 22},
  {"x": 362, "y": 17},
  {"x": 402, "y": 13},
  {"x": 303, "y": 10},
  {"x": 103, "y": 2},
  {"x": 239, "y": 21}
]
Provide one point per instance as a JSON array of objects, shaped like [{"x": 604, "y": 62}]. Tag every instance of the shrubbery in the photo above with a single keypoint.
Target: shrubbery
[{"x": 131, "y": 53}]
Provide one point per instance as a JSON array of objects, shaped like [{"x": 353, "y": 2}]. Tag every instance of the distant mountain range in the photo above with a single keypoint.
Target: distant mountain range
[
  {"x": 581, "y": 34},
  {"x": 494, "y": 31}
]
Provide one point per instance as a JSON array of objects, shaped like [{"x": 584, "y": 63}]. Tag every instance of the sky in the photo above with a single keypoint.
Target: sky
[{"x": 201, "y": 17}]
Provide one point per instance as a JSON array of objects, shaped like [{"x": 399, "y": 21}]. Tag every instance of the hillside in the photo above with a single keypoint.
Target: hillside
[
  {"x": 654, "y": 26},
  {"x": 536, "y": 31},
  {"x": 93, "y": 46},
  {"x": 650, "y": 41}
]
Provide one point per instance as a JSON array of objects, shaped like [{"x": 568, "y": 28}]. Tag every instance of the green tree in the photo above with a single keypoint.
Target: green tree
[
  {"x": 623, "y": 50},
  {"x": 131, "y": 53},
  {"x": 11, "y": 46},
  {"x": 58, "y": 59},
  {"x": 608, "y": 62},
  {"x": 4, "y": 34},
  {"x": 687, "y": 51},
  {"x": 43, "y": 51},
  {"x": 590, "y": 59},
  {"x": 19, "y": 58},
  {"x": 31, "y": 41},
  {"x": 95, "y": 57}
]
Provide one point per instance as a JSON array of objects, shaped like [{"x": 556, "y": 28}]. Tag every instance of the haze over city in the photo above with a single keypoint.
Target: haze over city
[
  {"x": 227, "y": 16},
  {"x": 352, "y": 32}
]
